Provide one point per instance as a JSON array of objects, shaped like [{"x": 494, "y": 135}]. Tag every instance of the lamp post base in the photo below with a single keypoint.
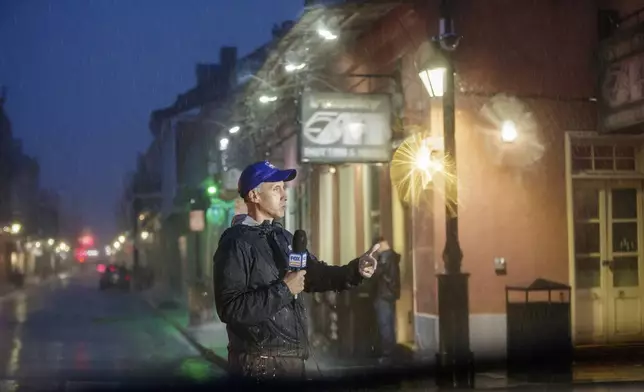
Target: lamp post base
[{"x": 454, "y": 360}]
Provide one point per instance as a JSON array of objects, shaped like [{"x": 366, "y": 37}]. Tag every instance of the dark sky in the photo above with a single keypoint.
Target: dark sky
[{"x": 83, "y": 76}]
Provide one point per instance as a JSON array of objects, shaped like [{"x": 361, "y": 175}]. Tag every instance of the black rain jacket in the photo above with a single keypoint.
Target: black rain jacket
[
  {"x": 262, "y": 316},
  {"x": 387, "y": 276}
]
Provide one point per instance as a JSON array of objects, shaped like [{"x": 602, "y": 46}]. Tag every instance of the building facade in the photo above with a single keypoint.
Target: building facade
[{"x": 562, "y": 202}]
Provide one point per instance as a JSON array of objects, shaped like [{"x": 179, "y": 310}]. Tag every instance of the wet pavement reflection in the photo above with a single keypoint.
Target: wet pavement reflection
[{"x": 68, "y": 329}]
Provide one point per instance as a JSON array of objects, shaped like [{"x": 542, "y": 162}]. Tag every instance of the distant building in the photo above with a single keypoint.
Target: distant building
[
  {"x": 23, "y": 202},
  {"x": 25, "y": 189},
  {"x": 185, "y": 158},
  {"x": 6, "y": 141}
]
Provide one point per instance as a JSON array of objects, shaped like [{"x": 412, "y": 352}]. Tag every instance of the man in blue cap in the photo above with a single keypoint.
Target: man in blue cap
[{"x": 256, "y": 294}]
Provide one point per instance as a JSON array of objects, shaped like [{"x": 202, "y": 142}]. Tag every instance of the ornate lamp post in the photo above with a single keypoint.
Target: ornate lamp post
[{"x": 454, "y": 358}]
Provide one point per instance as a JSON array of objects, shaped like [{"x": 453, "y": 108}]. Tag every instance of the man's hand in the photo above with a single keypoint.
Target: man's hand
[
  {"x": 368, "y": 263},
  {"x": 295, "y": 281}
]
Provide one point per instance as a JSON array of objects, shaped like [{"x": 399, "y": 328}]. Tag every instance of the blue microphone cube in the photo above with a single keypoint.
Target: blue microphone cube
[{"x": 297, "y": 260}]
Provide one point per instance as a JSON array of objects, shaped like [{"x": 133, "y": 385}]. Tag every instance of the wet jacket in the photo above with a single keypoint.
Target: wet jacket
[
  {"x": 262, "y": 316},
  {"x": 387, "y": 276}
]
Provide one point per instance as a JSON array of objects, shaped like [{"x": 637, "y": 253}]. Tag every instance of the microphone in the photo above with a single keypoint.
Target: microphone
[{"x": 297, "y": 257}]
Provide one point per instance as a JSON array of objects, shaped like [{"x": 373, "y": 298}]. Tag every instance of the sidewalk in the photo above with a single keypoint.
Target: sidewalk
[
  {"x": 209, "y": 339},
  {"x": 8, "y": 289}
]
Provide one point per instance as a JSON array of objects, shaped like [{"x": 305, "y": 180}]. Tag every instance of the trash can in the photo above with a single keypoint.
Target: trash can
[
  {"x": 539, "y": 336},
  {"x": 358, "y": 335}
]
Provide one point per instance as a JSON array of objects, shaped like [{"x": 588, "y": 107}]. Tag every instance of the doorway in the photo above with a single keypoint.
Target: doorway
[{"x": 608, "y": 260}]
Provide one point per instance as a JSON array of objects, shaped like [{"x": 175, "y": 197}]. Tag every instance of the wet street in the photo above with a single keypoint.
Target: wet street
[
  {"x": 66, "y": 329},
  {"x": 67, "y": 335}
]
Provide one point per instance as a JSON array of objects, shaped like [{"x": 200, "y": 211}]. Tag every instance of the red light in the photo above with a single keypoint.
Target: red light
[
  {"x": 87, "y": 241},
  {"x": 112, "y": 268},
  {"x": 81, "y": 260},
  {"x": 80, "y": 254},
  {"x": 100, "y": 268}
]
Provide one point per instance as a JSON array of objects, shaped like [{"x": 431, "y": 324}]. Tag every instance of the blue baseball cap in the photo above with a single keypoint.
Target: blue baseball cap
[{"x": 259, "y": 172}]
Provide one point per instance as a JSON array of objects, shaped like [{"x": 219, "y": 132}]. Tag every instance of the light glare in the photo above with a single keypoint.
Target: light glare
[
  {"x": 267, "y": 98},
  {"x": 509, "y": 131},
  {"x": 15, "y": 228},
  {"x": 326, "y": 34},
  {"x": 290, "y": 67},
  {"x": 223, "y": 144}
]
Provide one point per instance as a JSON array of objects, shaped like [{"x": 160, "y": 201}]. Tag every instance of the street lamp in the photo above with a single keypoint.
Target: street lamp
[
  {"x": 16, "y": 228},
  {"x": 63, "y": 247},
  {"x": 454, "y": 359},
  {"x": 433, "y": 77}
]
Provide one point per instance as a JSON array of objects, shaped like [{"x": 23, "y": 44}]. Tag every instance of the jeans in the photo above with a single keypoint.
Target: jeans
[
  {"x": 264, "y": 367},
  {"x": 385, "y": 313}
]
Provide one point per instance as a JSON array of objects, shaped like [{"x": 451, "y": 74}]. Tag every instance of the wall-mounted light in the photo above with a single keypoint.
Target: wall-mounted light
[
  {"x": 292, "y": 67},
  {"x": 509, "y": 131},
  {"x": 223, "y": 143},
  {"x": 327, "y": 34},
  {"x": 267, "y": 98},
  {"x": 234, "y": 130}
]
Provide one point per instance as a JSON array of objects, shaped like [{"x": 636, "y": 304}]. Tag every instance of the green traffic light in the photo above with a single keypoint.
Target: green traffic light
[{"x": 212, "y": 190}]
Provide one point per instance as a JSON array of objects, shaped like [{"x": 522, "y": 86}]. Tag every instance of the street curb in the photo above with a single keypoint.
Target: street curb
[{"x": 205, "y": 352}]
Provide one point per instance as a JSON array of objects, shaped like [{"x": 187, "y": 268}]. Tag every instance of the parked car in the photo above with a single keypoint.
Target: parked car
[{"x": 113, "y": 276}]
